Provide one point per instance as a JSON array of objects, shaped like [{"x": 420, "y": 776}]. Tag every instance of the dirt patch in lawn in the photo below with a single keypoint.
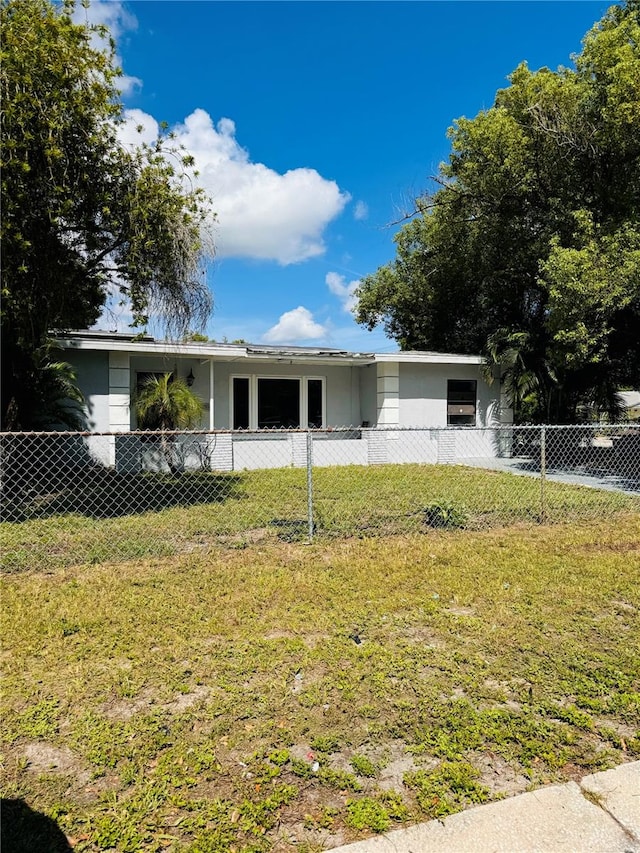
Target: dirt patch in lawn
[
  {"x": 498, "y": 775},
  {"x": 43, "y": 757}
]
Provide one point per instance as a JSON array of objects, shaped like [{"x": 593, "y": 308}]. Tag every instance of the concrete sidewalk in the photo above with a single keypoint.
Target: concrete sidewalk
[{"x": 600, "y": 814}]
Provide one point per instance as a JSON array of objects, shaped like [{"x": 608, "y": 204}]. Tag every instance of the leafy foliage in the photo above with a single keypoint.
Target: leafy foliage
[
  {"x": 166, "y": 403},
  {"x": 82, "y": 213},
  {"x": 445, "y": 514},
  {"x": 55, "y": 400},
  {"x": 528, "y": 249}
]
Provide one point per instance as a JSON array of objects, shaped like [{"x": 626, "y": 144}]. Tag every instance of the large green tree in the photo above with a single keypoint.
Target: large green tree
[
  {"x": 528, "y": 250},
  {"x": 82, "y": 213}
]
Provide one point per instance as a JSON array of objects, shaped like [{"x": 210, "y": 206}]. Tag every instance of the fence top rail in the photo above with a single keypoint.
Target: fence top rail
[{"x": 616, "y": 427}]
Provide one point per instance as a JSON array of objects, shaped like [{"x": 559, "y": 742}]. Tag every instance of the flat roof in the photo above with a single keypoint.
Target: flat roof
[{"x": 95, "y": 339}]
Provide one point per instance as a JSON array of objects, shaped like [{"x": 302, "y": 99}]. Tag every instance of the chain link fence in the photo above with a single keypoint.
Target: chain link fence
[{"x": 74, "y": 498}]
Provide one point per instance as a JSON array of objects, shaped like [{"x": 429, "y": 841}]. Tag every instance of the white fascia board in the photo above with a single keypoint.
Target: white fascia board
[
  {"x": 206, "y": 351},
  {"x": 189, "y": 350},
  {"x": 296, "y": 358},
  {"x": 232, "y": 352},
  {"x": 429, "y": 358}
]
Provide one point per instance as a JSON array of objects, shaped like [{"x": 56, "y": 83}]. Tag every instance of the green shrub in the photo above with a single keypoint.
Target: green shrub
[
  {"x": 445, "y": 514},
  {"x": 367, "y": 814},
  {"x": 363, "y": 766}
]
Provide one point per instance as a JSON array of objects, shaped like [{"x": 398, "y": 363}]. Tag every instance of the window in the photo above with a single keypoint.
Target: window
[
  {"x": 276, "y": 402},
  {"x": 461, "y": 402},
  {"x": 143, "y": 376},
  {"x": 314, "y": 402},
  {"x": 240, "y": 402}
]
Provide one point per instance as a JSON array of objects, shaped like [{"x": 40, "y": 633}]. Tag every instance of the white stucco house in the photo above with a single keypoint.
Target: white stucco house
[{"x": 261, "y": 387}]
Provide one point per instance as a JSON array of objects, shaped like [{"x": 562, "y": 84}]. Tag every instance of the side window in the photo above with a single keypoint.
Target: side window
[
  {"x": 314, "y": 403},
  {"x": 240, "y": 402},
  {"x": 461, "y": 402}
]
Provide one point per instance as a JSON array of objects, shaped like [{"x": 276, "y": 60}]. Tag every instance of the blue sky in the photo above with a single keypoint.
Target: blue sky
[{"x": 314, "y": 124}]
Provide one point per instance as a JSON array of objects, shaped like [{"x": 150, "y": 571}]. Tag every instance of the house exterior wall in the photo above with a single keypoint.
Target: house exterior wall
[
  {"x": 423, "y": 394},
  {"x": 367, "y": 375},
  {"x": 92, "y": 370},
  {"x": 387, "y": 396}
]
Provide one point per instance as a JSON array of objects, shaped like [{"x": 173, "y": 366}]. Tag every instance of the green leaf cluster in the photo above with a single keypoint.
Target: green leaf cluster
[
  {"x": 528, "y": 250},
  {"x": 166, "y": 403}
]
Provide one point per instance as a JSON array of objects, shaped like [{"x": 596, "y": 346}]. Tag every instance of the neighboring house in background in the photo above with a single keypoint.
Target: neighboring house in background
[
  {"x": 631, "y": 404},
  {"x": 257, "y": 387}
]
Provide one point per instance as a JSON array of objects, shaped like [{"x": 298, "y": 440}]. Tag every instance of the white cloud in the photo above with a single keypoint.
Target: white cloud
[
  {"x": 138, "y": 127},
  {"x": 261, "y": 214},
  {"x": 345, "y": 291},
  {"x": 113, "y": 15},
  {"x": 294, "y": 326},
  {"x": 361, "y": 211}
]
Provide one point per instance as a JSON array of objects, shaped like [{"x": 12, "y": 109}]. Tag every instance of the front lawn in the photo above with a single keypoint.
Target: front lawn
[
  {"x": 280, "y": 696},
  {"x": 108, "y": 516}
]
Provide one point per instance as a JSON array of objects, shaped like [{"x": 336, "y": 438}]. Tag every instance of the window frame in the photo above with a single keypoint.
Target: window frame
[
  {"x": 303, "y": 385},
  {"x": 232, "y": 379},
  {"x": 465, "y": 404}
]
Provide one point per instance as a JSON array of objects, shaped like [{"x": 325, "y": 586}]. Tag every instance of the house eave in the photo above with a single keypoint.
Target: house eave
[
  {"x": 218, "y": 352},
  {"x": 146, "y": 345},
  {"x": 416, "y": 357}
]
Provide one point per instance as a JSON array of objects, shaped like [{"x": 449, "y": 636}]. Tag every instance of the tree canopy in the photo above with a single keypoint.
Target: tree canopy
[
  {"x": 529, "y": 249},
  {"x": 82, "y": 213}
]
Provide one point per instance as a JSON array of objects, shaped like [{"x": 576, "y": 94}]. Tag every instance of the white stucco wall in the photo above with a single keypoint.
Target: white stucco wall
[
  {"x": 368, "y": 393},
  {"x": 352, "y": 393},
  {"x": 423, "y": 394}
]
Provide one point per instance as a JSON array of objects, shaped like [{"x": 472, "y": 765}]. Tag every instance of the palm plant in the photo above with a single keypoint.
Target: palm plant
[
  {"x": 167, "y": 404},
  {"x": 50, "y": 398},
  {"x": 526, "y": 375}
]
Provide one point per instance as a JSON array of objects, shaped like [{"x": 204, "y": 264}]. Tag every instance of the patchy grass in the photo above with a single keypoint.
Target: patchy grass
[
  {"x": 284, "y": 696},
  {"x": 116, "y": 517}
]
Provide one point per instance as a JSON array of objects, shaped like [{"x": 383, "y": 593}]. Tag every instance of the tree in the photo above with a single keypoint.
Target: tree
[
  {"x": 82, "y": 214},
  {"x": 527, "y": 251},
  {"x": 166, "y": 403}
]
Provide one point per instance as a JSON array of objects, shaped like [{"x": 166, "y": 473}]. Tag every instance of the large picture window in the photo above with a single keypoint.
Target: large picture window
[
  {"x": 277, "y": 402},
  {"x": 461, "y": 402}
]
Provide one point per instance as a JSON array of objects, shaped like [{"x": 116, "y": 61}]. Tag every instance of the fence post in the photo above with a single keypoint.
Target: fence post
[
  {"x": 543, "y": 474},
  {"x": 310, "y": 484}
]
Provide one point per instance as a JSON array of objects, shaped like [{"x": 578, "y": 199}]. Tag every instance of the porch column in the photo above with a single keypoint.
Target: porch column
[
  {"x": 388, "y": 377},
  {"x": 119, "y": 392},
  {"x": 119, "y": 407},
  {"x": 211, "y": 391}
]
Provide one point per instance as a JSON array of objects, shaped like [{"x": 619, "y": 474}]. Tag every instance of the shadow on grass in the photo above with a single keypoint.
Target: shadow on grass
[
  {"x": 23, "y": 830},
  {"x": 101, "y": 493}
]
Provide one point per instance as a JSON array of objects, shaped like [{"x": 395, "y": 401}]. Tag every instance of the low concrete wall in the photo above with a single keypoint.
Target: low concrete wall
[{"x": 225, "y": 451}]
